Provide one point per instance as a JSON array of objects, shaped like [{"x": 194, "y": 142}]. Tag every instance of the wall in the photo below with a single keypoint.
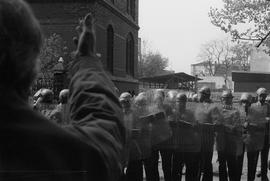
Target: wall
[
  {"x": 250, "y": 86},
  {"x": 62, "y": 18}
]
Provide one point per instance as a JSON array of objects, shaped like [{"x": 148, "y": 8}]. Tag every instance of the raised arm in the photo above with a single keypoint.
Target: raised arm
[{"x": 93, "y": 106}]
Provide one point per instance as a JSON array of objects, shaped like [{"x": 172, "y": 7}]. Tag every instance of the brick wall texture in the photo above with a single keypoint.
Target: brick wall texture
[{"x": 62, "y": 18}]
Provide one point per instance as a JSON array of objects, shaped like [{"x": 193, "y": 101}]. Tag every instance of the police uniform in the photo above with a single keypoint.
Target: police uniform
[
  {"x": 188, "y": 145},
  {"x": 167, "y": 147},
  {"x": 265, "y": 150},
  {"x": 256, "y": 137},
  {"x": 160, "y": 132},
  {"x": 45, "y": 104},
  {"x": 229, "y": 143},
  {"x": 245, "y": 97},
  {"x": 207, "y": 114},
  {"x": 139, "y": 146}
]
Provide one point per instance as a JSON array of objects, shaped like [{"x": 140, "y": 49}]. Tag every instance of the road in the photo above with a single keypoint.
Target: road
[{"x": 215, "y": 169}]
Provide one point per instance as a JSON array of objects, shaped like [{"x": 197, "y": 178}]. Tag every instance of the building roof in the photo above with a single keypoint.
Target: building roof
[
  {"x": 200, "y": 63},
  {"x": 240, "y": 76},
  {"x": 181, "y": 76}
]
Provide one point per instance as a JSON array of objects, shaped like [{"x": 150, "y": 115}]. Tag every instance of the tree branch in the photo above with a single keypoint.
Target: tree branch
[{"x": 262, "y": 40}]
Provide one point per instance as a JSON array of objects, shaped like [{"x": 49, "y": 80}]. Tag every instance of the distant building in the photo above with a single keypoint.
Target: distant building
[
  {"x": 259, "y": 75},
  {"x": 210, "y": 69},
  {"x": 215, "y": 82},
  {"x": 116, "y": 28},
  {"x": 179, "y": 80},
  {"x": 200, "y": 69},
  {"x": 250, "y": 81},
  {"x": 215, "y": 79}
]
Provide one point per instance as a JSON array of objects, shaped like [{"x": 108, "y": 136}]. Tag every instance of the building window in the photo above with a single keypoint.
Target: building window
[
  {"x": 110, "y": 48},
  {"x": 130, "y": 55},
  {"x": 131, "y": 8}
]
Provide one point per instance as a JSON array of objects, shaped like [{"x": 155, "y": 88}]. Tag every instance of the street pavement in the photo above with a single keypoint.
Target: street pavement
[{"x": 215, "y": 169}]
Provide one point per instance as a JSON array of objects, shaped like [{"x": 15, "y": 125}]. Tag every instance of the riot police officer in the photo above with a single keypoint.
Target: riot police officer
[
  {"x": 245, "y": 103},
  {"x": 44, "y": 103},
  {"x": 207, "y": 114},
  {"x": 167, "y": 147},
  {"x": 132, "y": 157},
  {"x": 257, "y": 131},
  {"x": 188, "y": 141},
  {"x": 229, "y": 139},
  {"x": 262, "y": 95},
  {"x": 195, "y": 98},
  {"x": 160, "y": 131},
  {"x": 135, "y": 168},
  {"x": 60, "y": 113}
]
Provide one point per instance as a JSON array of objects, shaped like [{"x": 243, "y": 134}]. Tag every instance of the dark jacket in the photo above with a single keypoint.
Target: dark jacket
[
  {"x": 258, "y": 126},
  {"x": 207, "y": 114},
  {"x": 33, "y": 148},
  {"x": 229, "y": 135}
]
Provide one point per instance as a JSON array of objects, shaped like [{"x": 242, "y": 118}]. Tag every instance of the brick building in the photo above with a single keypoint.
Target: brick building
[{"x": 116, "y": 27}]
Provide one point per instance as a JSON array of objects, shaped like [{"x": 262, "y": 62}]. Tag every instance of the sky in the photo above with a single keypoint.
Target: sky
[{"x": 177, "y": 29}]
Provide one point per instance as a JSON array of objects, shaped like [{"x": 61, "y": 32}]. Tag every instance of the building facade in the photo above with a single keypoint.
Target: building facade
[{"x": 116, "y": 28}]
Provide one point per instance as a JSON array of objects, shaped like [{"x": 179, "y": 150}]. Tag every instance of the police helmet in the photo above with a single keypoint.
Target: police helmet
[
  {"x": 141, "y": 99},
  {"x": 63, "y": 96},
  {"x": 125, "y": 97},
  {"x": 171, "y": 95},
  {"x": 46, "y": 96},
  {"x": 246, "y": 97},
  {"x": 160, "y": 92},
  {"x": 195, "y": 98},
  {"x": 227, "y": 94},
  {"x": 181, "y": 97},
  {"x": 205, "y": 90},
  {"x": 261, "y": 91}
]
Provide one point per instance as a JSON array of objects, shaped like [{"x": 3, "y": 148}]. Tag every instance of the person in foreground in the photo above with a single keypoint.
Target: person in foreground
[{"x": 32, "y": 147}]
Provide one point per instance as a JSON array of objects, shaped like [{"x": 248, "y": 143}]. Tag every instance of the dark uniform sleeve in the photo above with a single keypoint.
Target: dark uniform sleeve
[{"x": 95, "y": 113}]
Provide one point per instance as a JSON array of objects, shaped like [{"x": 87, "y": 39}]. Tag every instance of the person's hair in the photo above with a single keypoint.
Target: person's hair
[{"x": 20, "y": 44}]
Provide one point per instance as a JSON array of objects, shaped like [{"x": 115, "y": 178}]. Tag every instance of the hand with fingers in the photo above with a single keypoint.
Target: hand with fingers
[
  {"x": 86, "y": 43},
  {"x": 93, "y": 103}
]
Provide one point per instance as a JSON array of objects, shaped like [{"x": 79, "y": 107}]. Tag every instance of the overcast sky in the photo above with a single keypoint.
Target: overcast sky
[{"x": 177, "y": 29}]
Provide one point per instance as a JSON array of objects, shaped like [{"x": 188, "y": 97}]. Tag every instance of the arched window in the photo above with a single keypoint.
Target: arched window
[
  {"x": 110, "y": 48},
  {"x": 130, "y": 55}
]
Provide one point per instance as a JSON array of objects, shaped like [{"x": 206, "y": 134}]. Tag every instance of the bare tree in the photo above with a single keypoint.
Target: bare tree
[
  {"x": 221, "y": 56},
  {"x": 216, "y": 54}
]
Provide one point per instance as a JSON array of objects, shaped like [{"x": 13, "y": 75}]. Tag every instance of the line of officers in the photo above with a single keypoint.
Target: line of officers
[{"x": 185, "y": 134}]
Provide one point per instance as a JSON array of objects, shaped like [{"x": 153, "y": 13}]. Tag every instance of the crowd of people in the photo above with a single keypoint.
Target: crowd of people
[
  {"x": 190, "y": 131},
  {"x": 184, "y": 132},
  {"x": 95, "y": 134}
]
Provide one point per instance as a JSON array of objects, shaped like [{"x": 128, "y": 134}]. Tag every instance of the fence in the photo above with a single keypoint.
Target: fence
[{"x": 56, "y": 83}]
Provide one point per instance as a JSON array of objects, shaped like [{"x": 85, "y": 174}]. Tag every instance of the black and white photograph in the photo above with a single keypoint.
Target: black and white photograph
[{"x": 134, "y": 90}]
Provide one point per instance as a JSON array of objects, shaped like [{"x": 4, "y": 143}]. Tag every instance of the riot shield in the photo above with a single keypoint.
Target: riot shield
[
  {"x": 256, "y": 128},
  {"x": 159, "y": 127}
]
